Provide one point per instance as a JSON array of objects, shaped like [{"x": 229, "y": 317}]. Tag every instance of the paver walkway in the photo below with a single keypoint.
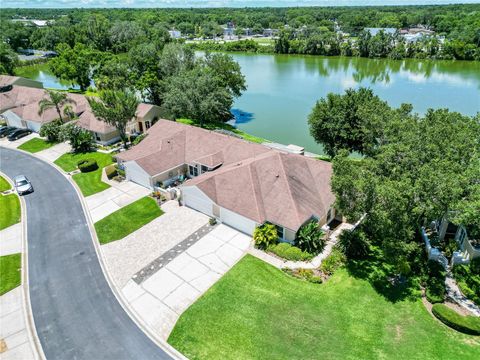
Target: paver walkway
[
  {"x": 165, "y": 295},
  {"x": 131, "y": 254},
  {"x": 11, "y": 240},
  {"x": 13, "y": 332},
  {"x": 454, "y": 293}
]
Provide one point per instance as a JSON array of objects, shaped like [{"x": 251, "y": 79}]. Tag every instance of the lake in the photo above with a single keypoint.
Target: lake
[{"x": 282, "y": 89}]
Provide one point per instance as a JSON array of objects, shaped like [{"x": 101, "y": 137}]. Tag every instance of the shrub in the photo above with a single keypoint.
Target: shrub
[
  {"x": 304, "y": 274},
  {"x": 87, "y": 165},
  {"x": 138, "y": 139},
  {"x": 289, "y": 252},
  {"x": 310, "y": 238},
  {"x": 468, "y": 280},
  {"x": 81, "y": 140},
  {"x": 332, "y": 262},
  {"x": 466, "y": 324},
  {"x": 111, "y": 171},
  {"x": 265, "y": 236},
  {"x": 51, "y": 131},
  {"x": 435, "y": 286},
  {"x": 354, "y": 244},
  {"x": 212, "y": 221}
]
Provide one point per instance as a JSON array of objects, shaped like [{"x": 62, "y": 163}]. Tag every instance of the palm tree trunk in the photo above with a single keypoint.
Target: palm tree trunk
[{"x": 59, "y": 111}]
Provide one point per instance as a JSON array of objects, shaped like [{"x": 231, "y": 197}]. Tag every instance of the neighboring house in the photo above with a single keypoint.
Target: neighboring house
[
  {"x": 19, "y": 106},
  {"x": 146, "y": 116},
  {"x": 7, "y": 81},
  {"x": 241, "y": 184},
  {"x": 375, "y": 31}
]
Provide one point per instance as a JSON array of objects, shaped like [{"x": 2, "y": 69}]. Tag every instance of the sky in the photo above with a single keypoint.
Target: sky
[{"x": 210, "y": 3}]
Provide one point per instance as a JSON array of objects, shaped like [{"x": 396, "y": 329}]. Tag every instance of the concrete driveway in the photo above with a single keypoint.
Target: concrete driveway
[
  {"x": 76, "y": 314},
  {"x": 14, "y": 144}
]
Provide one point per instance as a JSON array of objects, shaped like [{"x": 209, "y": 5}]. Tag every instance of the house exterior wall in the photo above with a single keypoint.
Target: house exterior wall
[
  {"x": 196, "y": 199},
  {"x": 237, "y": 221},
  {"x": 290, "y": 235},
  {"x": 106, "y": 139},
  {"x": 136, "y": 174},
  {"x": 153, "y": 114},
  {"x": 13, "y": 119},
  {"x": 33, "y": 125}
]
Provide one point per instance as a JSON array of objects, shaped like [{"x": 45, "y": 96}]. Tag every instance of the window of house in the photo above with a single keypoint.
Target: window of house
[
  {"x": 204, "y": 169},
  {"x": 280, "y": 231},
  {"x": 147, "y": 125},
  {"x": 97, "y": 137},
  {"x": 193, "y": 170}
]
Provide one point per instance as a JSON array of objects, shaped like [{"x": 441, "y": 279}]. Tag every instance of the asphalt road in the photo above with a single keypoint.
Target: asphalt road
[{"x": 76, "y": 314}]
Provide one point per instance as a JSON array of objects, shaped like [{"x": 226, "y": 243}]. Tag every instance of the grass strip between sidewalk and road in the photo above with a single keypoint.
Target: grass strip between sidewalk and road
[
  {"x": 4, "y": 184},
  {"x": 36, "y": 144},
  {"x": 258, "y": 312},
  {"x": 10, "y": 272},
  {"x": 9, "y": 210},
  {"x": 91, "y": 182},
  {"x": 127, "y": 220}
]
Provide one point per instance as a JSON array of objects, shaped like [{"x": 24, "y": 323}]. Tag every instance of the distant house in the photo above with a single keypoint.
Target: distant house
[
  {"x": 229, "y": 29},
  {"x": 241, "y": 184},
  {"x": 175, "y": 34},
  {"x": 19, "y": 106},
  {"x": 375, "y": 31},
  {"x": 270, "y": 32}
]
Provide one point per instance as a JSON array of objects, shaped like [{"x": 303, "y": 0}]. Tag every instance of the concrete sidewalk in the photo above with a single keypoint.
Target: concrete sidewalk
[
  {"x": 164, "y": 296},
  {"x": 54, "y": 152},
  {"x": 11, "y": 240}
]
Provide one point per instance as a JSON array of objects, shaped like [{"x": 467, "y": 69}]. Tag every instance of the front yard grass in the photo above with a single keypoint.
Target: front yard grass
[
  {"x": 10, "y": 272},
  {"x": 126, "y": 220},
  {"x": 9, "y": 210},
  {"x": 4, "y": 184},
  {"x": 89, "y": 183},
  {"x": 257, "y": 312},
  {"x": 36, "y": 144}
]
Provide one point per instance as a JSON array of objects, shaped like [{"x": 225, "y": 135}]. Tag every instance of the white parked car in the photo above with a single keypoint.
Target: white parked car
[{"x": 22, "y": 185}]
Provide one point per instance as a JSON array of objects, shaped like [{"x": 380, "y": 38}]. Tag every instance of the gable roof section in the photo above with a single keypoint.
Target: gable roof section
[
  {"x": 284, "y": 189},
  {"x": 170, "y": 144}
]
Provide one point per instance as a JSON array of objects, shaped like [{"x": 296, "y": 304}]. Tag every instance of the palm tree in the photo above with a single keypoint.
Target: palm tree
[{"x": 56, "y": 100}]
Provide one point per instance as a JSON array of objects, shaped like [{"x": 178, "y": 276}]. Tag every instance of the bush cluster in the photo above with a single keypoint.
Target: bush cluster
[
  {"x": 111, "y": 171},
  {"x": 468, "y": 279},
  {"x": 435, "y": 287},
  {"x": 465, "y": 324},
  {"x": 289, "y": 252},
  {"x": 354, "y": 243},
  {"x": 310, "y": 238},
  {"x": 52, "y": 131},
  {"x": 265, "y": 235},
  {"x": 332, "y": 262},
  {"x": 304, "y": 274},
  {"x": 87, "y": 165}
]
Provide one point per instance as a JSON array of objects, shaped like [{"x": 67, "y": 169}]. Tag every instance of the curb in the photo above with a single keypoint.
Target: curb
[
  {"x": 27, "y": 306},
  {"x": 170, "y": 350}
]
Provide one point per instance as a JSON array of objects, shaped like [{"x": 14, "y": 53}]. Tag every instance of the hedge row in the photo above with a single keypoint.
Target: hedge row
[
  {"x": 289, "y": 252},
  {"x": 465, "y": 324},
  {"x": 87, "y": 165},
  {"x": 111, "y": 171}
]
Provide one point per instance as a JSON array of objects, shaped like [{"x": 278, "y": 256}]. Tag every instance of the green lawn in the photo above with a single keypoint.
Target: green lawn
[
  {"x": 257, "y": 312},
  {"x": 126, "y": 220},
  {"x": 35, "y": 145},
  {"x": 4, "y": 184},
  {"x": 215, "y": 126},
  {"x": 10, "y": 272},
  {"x": 89, "y": 183},
  {"x": 9, "y": 210}
]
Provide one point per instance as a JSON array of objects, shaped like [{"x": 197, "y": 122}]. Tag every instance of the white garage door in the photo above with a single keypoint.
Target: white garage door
[
  {"x": 136, "y": 174},
  {"x": 198, "y": 203},
  {"x": 237, "y": 221},
  {"x": 34, "y": 126}
]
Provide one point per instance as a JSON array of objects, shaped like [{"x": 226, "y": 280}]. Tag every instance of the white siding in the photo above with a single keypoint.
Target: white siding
[
  {"x": 136, "y": 174},
  {"x": 34, "y": 126},
  {"x": 13, "y": 119},
  {"x": 237, "y": 221},
  {"x": 196, "y": 199}
]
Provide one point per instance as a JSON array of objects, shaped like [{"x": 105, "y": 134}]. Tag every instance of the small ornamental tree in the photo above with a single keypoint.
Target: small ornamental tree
[
  {"x": 80, "y": 139},
  {"x": 310, "y": 238},
  {"x": 265, "y": 236},
  {"x": 51, "y": 131}
]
